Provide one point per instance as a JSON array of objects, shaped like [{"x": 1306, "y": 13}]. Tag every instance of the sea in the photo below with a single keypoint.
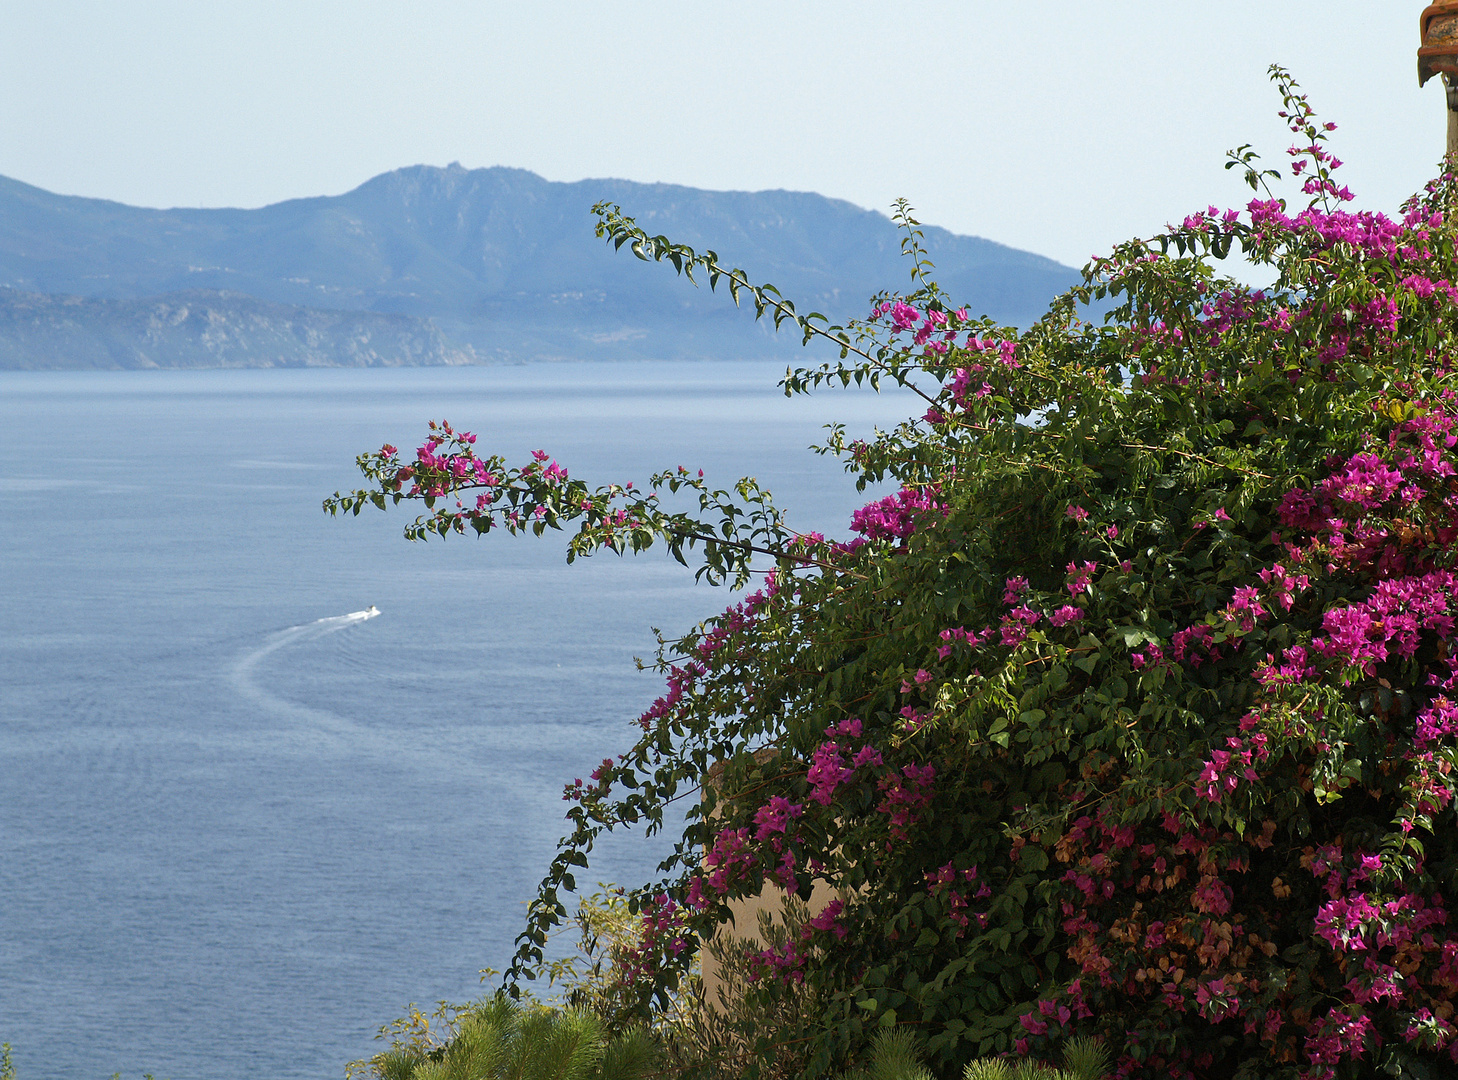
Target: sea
[{"x": 244, "y": 821}]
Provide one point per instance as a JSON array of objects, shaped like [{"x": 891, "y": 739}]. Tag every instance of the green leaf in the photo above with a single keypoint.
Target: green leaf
[{"x": 1033, "y": 858}]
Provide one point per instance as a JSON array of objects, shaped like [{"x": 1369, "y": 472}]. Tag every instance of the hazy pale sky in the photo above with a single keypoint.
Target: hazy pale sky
[{"x": 1061, "y": 126}]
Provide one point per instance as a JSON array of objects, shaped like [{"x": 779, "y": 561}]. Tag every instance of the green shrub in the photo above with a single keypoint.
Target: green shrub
[
  {"x": 897, "y": 1055},
  {"x": 499, "y": 1039},
  {"x": 1131, "y": 714},
  {"x": 743, "y": 1032},
  {"x": 1083, "y": 1059},
  {"x": 894, "y": 1055}
]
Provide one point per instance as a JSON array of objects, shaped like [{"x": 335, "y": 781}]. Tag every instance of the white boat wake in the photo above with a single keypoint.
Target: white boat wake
[{"x": 243, "y": 674}]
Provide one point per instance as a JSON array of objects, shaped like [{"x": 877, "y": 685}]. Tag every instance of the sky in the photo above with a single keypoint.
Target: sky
[{"x": 1060, "y": 127}]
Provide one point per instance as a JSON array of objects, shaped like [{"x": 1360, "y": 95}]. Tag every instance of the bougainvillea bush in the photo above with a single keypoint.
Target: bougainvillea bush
[{"x": 1132, "y": 714}]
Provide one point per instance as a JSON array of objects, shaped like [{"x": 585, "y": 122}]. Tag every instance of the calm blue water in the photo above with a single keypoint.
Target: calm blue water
[{"x": 239, "y": 832}]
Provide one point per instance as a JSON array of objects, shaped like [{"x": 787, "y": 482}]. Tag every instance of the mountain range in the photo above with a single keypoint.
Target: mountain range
[{"x": 429, "y": 265}]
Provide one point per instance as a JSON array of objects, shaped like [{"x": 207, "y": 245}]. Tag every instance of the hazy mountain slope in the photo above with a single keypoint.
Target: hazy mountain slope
[
  {"x": 505, "y": 261},
  {"x": 208, "y": 329}
]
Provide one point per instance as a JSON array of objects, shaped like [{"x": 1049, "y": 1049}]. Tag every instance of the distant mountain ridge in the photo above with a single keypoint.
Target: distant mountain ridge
[
  {"x": 477, "y": 265},
  {"x": 206, "y": 328}
]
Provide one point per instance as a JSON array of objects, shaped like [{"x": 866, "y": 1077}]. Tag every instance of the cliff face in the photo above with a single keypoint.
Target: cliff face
[
  {"x": 503, "y": 262},
  {"x": 208, "y": 329}
]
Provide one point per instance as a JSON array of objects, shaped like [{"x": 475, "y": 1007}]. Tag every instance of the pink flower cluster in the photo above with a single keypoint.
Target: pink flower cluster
[
  {"x": 741, "y": 857},
  {"x": 1057, "y": 1011},
  {"x": 681, "y": 681},
  {"x": 896, "y": 516},
  {"x": 829, "y": 768},
  {"x": 970, "y": 383},
  {"x": 1225, "y": 311},
  {"x": 937, "y": 333},
  {"x": 1080, "y": 577},
  {"x": 1396, "y": 950},
  {"x": 904, "y": 796},
  {"x": 1284, "y": 585},
  {"x": 1437, "y": 722},
  {"x": 662, "y": 929},
  {"x": 1356, "y": 516},
  {"x": 1391, "y": 622},
  {"x": 729, "y": 860},
  {"x": 1226, "y": 768},
  {"x": 944, "y": 883},
  {"x": 789, "y": 960},
  {"x": 432, "y": 473},
  {"x": 970, "y": 638},
  {"x": 1374, "y": 234}
]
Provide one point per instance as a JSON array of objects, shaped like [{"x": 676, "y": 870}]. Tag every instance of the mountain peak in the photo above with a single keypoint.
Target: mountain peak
[{"x": 505, "y": 262}]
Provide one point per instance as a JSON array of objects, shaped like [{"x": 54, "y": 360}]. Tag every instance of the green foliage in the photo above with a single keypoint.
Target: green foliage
[
  {"x": 744, "y": 1030},
  {"x": 997, "y": 1069},
  {"x": 630, "y": 1054},
  {"x": 1129, "y": 716},
  {"x": 894, "y": 1056},
  {"x": 417, "y": 1036},
  {"x": 1083, "y": 1059},
  {"x": 590, "y": 976},
  {"x": 498, "y": 1039}
]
